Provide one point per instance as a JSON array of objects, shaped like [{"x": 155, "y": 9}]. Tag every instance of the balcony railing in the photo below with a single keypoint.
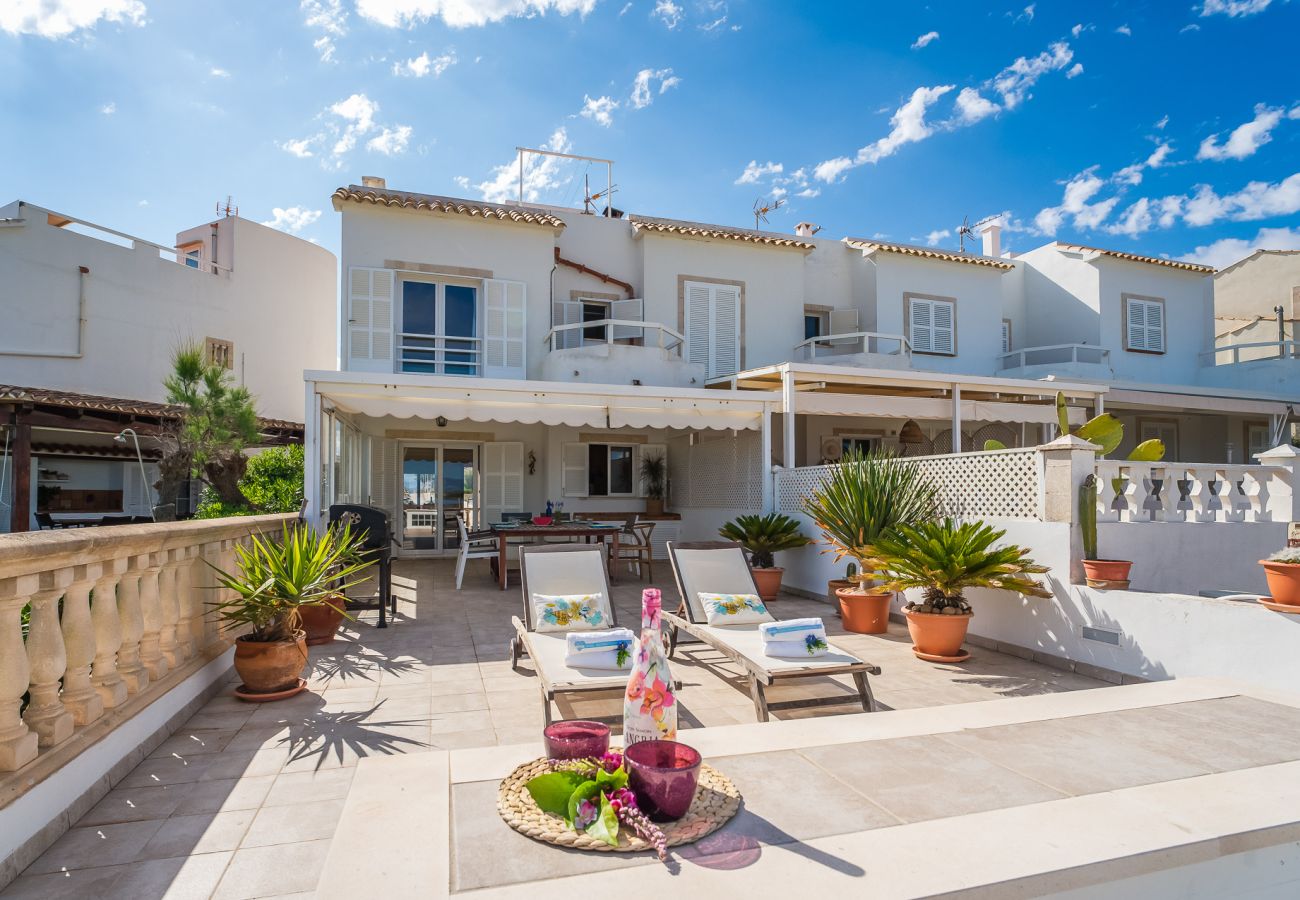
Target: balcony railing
[
  {"x": 439, "y": 354},
  {"x": 578, "y": 334},
  {"x": 826, "y": 345},
  {"x": 1054, "y": 355},
  {"x": 1230, "y": 354}
]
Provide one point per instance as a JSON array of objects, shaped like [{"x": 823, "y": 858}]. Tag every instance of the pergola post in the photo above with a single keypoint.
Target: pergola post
[
  {"x": 956, "y": 419},
  {"x": 311, "y": 451},
  {"x": 765, "y": 459},
  {"x": 788, "y": 459},
  {"x": 20, "y": 460}
]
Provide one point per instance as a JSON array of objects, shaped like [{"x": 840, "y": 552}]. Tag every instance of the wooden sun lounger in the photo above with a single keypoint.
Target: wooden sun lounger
[{"x": 720, "y": 567}]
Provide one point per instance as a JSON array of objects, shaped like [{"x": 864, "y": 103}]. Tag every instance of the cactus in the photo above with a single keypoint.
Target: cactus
[
  {"x": 1088, "y": 516},
  {"x": 850, "y": 571}
]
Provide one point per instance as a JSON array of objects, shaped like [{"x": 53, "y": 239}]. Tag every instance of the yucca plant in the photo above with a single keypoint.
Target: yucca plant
[
  {"x": 945, "y": 559},
  {"x": 763, "y": 536},
  {"x": 275, "y": 577},
  {"x": 866, "y": 497}
]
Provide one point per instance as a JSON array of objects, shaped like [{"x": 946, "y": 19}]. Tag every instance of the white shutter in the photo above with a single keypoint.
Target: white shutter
[
  {"x": 137, "y": 492},
  {"x": 844, "y": 321},
  {"x": 942, "y": 314},
  {"x": 726, "y": 331},
  {"x": 627, "y": 309},
  {"x": 502, "y": 479},
  {"x": 642, "y": 452},
  {"x": 1146, "y": 325},
  {"x": 918, "y": 312},
  {"x": 504, "y": 323},
  {"x": 1155, "y": 326},
  {"x": 574, "y": 475},
  {"x": 1006, "y": 336},
  {"x": 698, "y": 302},
  {"x": 385, "y": 479},
  {"x": 566, "y": 312},
  {"x": 932, "y": 324},
  {"x": 370, "y": 319}
]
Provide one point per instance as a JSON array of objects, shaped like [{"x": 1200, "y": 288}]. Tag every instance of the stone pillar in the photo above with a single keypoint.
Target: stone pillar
[
  {"x": 1283, "y": 491},
  {"x": 18, "y": 743},
  {"x": 170, "y": 612},
  {"x": 79, "y": 696},
  {"x": 46, "y": 714},
  {"x": 129, "y": 665},
  {"x": 151, "y": 656},
  {"x": 108, "y": 634},
  {"x": 1067, "y": 461},
  {"x": 187, "y": 638}
]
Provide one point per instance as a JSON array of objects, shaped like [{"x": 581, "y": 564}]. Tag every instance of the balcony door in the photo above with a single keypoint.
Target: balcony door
[
  {"x": 440, "y": 329},
  {"x": 438, "y": 483}
]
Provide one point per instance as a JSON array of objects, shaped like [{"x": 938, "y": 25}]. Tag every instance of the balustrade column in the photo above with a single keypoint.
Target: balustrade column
[
  {"x": 79, "y": 695},
  {"x": 46, "y": 714},
  {"x": 108, "y": 634},
  {"x": 129, "y": 665},
  {"x": 170, "y": 614},
  {"x": 187, "y": 638},
  {"x": 151, "y": 656},
  {"x": 18, "y": 743}
]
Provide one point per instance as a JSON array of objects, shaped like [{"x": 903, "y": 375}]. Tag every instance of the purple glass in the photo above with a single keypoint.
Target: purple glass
[
  {"x": 576, "y": 739},
  {"x": 663, "y": 775}
]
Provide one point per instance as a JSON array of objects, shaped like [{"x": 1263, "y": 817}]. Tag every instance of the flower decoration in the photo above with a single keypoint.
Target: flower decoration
[{"x": 812, "y": 643}]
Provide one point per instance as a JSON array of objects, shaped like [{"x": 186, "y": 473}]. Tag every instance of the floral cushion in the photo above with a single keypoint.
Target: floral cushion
[
  {"x": 733, "y": 609},
  {"x": 570, "y": 612}
]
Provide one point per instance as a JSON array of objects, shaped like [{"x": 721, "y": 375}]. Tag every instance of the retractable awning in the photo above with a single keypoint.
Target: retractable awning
[
  {"x": 1196, "y": 403},
  {"x": 827, "y": 404}
]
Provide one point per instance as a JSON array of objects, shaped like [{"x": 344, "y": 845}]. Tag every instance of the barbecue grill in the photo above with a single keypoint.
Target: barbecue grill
[{"x": 376, "y": 547}]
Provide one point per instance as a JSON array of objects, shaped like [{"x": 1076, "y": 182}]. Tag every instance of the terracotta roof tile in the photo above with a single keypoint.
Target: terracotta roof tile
[
  {"x": 1136, "y": 257},
  {"x": 698, "y": 229},
  {"x": 10, "y": 393},
  {"x": 928, "y": 253},
  {"x": 407, "y": 200}
]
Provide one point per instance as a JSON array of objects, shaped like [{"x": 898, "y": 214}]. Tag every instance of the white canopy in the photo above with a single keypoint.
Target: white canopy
[{"x": 829, "y": 404}]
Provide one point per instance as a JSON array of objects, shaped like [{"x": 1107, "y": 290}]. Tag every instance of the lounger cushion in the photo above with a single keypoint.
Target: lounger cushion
[
  {"x": 570, "y": 612},
  {"x": 548, "y": 652},
  {"x": 733, "y": 609},
  {"x": 747, "y": 642}
]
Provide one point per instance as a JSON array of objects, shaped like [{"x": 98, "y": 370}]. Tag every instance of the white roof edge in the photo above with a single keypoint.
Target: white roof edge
[
  {"x": 1048, "y": 385},
  {"x": 1196, "y": 390}
]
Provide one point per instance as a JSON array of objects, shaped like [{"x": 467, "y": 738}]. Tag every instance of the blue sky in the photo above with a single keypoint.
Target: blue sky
[{"x": 1168, "y": 128}]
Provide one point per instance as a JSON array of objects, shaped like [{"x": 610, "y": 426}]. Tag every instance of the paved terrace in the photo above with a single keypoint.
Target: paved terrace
[{"x": 244, "y": 801}]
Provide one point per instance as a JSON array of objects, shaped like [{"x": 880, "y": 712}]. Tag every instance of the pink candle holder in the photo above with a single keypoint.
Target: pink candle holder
[
  {"x": 576, "y": 739},
  {"x": 663, "y": 775}
]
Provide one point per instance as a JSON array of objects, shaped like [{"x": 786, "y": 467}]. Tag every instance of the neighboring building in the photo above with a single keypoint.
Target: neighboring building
[
  {"x": 1257, "y": 307},
  {"x": 495, "y": 357},
  {"x": 91, "y": 319}
]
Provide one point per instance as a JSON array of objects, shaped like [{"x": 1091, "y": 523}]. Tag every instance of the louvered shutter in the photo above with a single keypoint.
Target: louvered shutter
[
  {"x": 918, "y": 312},
  {"x": 649, "y": 451},
  {"x": 698, "y": 302},
  {"x": 574, "y": 474},
  {"x": 630, "y": 310},
  {"x": 384, "y": 476},
  {"x": 1006, "y": 336},
  {"x": 1146, "y": 325},
  {"x": 844, "y": 321},
  {"x": 504, "y": 326},
  {"x": 566, "y": 312},
  {"x": 1155, "y": 326},
  {"x": 370, "y": 319},
  {"x": 502, "y": 480},
  {"x": 726, "y": 331},
  {"x": 932, "y": 325},
  {"x": 941, "y": 316}
]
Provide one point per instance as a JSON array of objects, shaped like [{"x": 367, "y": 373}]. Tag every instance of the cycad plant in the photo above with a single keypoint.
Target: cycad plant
[
  {"x": 763, "y": 536},
  {"x": 275, "y": 577},
  {"x": 945, "y": 559},
  {"x": 866, "y": 497}
]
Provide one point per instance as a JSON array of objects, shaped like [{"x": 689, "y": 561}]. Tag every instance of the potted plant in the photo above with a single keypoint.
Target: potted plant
[
  {"x": 654, "y": 480},
  {"x": 273, "y": 581},
  {"x": 863, "y": 499},
  {"x": 764, "y": 536},
  {"x": 1282, "y": 570},
  {"x": 841, "y": 584},
  {"x": 1101, "y": 573},
  {"x": 944, "y": 559}
]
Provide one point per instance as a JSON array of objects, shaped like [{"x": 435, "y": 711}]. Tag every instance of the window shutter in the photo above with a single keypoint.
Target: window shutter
[
  {"x": 932, "y": 325},
  {"x": 941, "y": 314},
  {"x": 566, "y": 312},
  {"x": 844, "y": 321},
  {"x": 1155, "y": 326},
  {"x": 370, "y": 319},
  {"x": 627, "y": 309},
  {"x": 1006, "y": 336},
  {"x": 502, "y": 480},
  {"x": 726, "y": 331},
  {"x": 698, "y": 301},
  {"x": 384, "y": 476},
  {"x": 1137, "y": 335},
  {"x": 574, "y": 475},
  {"x": 918, "y": 312},
  {"x": 504, "y": 323},
  {"x": 644, "y": 451},
  {"x": 1146, "y": 325}
]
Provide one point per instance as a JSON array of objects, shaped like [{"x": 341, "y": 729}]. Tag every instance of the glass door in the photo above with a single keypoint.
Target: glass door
[
  {"x": 439, "y": 483},
  {"x": 420, "y": 529},
  {"x": 459, "y": 497}
]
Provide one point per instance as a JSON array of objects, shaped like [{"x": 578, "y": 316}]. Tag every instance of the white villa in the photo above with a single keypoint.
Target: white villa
[{"x": 495, "y": 357}]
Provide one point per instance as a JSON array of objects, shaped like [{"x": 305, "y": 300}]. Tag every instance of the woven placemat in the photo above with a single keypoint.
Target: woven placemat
[{"x": 716, "y": 801}]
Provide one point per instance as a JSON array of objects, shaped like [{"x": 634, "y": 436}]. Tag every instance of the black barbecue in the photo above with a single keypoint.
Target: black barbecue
[{"x": 376, "y": 545}]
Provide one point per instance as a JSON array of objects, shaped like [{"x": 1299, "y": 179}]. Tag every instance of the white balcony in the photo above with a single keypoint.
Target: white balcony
[
  {"x": 1259, "y": 365},
  {"x": 869, "y": 349},
  {"x": 439, "y": 354},
  {"x": 1071, "y": 360},
  {"x": 619, "y": 351}
]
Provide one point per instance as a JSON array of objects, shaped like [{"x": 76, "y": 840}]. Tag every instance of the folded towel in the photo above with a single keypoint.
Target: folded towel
[
  {"x": 583, "y": 642},
  {"x": 792, "y": 630},
  {"x": 604, "y": 659},
  {"x": 810, "y": 646}
]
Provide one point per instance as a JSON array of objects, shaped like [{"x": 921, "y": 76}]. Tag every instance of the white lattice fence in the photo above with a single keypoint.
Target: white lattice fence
[
  {"x": 1002, "y": 484},
  {"x": 717, "y": 473}
]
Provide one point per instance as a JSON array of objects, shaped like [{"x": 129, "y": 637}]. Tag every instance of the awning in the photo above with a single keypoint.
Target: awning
[
  {"x": 1195, "y": 403},
  {"x": 820, "y": 403}
]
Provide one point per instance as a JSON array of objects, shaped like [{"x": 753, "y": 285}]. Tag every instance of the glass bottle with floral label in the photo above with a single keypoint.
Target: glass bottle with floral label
[{"x": 649, "y": 707}]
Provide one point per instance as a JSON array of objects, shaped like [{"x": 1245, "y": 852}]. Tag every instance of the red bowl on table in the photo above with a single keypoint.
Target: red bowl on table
[{"x": 543, "y": 520}]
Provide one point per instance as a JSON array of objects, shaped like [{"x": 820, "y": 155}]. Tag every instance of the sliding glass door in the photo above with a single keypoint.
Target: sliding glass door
[
  {"x": 439, "y": 329},
  {"x": 438, "y": 483}
]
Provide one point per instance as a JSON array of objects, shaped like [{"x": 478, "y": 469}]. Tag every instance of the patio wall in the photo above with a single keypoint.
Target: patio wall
[{"x": 121, "y": 647}]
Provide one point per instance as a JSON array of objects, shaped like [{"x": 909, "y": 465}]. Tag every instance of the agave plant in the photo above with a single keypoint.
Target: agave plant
[
  {"x": 945, "y": 559},
  {"x": 866, "y": 498},
  {"x": 763, "y": 536},
  {"x": 1106, "y": 431},
  {"x": 275, "y": 578}
]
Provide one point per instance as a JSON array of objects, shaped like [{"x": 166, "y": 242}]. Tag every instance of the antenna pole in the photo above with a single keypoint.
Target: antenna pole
[{"x": 521, "y": 175}]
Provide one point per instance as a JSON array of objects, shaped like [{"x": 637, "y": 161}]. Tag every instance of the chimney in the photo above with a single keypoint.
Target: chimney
[
  {"x": 992, "y": 234},
  {"x": 806, "y": 229},
  {"x": 373, "y": 181}
]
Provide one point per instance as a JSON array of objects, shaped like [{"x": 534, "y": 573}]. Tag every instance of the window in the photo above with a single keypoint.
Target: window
[
  {"x": 1258, "y": 438},
  {"x": 814, "y": 323},
  {"x": 594, "y": 311},
  {"x": 1164, "y": 430},
  {"x": 439, "y": 328},
  {"x": 1006, "y": 335},
  {"x": 712, "y": 312},
  {"x": 609, "y": 470},
  {"x": 191, "y": 255},
  {"x": 1144, "y": 324},
  {"x": 931, "y": 324},
  {"x": 219, "y": 352}
]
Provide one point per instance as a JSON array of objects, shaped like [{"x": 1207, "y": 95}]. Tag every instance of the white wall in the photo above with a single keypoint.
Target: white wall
[{"x": 1188, "y": 320}]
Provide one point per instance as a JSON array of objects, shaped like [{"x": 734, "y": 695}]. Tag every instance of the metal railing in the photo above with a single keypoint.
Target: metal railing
[
  {"x": 854, "y": 342},
  {"x": 574, "y": 335},
  {"x": 439, "y": 354},
  {"x": 1263, "y": 350},
  {"x": 1054, "y": 354}
]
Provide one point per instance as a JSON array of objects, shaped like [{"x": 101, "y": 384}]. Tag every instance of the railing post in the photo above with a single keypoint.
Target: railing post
[
  {"x": 192, "y": 600},
  {"x": 108, "y": 634},
  {"x": 1282, "y": 495},
  {"x": 1067, "y": 461},
  {"x": 47, "y": 660},
  {"x": 151, "y": 656},
  {"x": 185, "y": 642},
  {"x": 79, "y": 695},
  {"x": 18, "y": 743},
  {"x": 170, "y": 612},
  {"x": 128, "y": 607}
]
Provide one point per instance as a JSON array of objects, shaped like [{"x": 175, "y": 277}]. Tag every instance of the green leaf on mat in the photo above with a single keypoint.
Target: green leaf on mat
[
  {"x": 611, "y": 781},
  {"x": 606, "y": 825},
  {"x": 584, "y": 791},
  {"x": 552, "y": 791}
]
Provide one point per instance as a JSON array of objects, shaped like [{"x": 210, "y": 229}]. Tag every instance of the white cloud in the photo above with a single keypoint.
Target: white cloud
[
  {"x": 925, "y": 40},
  {"x": 668, "y": 12},
  {"x": 1160, "y": 125},
  {"x": 292, "y": 220},
  {"x": 1190, "y": 26},
  {"x": 358, "y": 111},
  {"x": 1244, "y": 139},
  {"x": 642, "y": 85},
  {"x": 327, "y": 15},
  {"x": 1234, "y": 8},
  {"x": 599, "y": 109},
  {"x": 1257, "y": 200},
  {"x": 715, "y": 24},
  {"x": 217, "y": 72},
  {"x": 808, "y": 193},
  {"x": 1014, "y": 82},
  {"x": 463, "y": 13},
  {"x": 972, "y": 106},
  {"x": 1226, "y": 251},
  {"x": 1133, "y": 221},
  {"x": 325, "y": 47},
  {"x": 422, "y": 65},
  {"x": 300, "y": 148},
  {"x": 390, "y": 141},
  {"x": 1026, "y": 15},
  {"x": 60, "y": 18},
  {"x": 626, "y": 7},
  {"x": 1133, "y": 174},
  {"x": 934, "y": 237},
  {"x": 756, "y": 171},
  {"x": 1075, "y": 71},
  {"x": 832, "y": 169},
  {"x": 1075, "y": 206},
  {"x": 109, "y": 108},
  {"x": 541, "y": 173},
  {"x": 1081, "y": 28},
  {"x": 1124, "y": 30},
  {"x": 908, "y": 126}
]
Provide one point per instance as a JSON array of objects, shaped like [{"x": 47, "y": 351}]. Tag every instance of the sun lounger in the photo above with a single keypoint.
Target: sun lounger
[{"x": 720, "y": 567}]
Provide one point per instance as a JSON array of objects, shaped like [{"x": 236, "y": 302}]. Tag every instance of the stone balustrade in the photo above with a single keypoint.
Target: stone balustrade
[
  {"x": 1194, "y": 492},
  {"x": 111, "y": 611}
]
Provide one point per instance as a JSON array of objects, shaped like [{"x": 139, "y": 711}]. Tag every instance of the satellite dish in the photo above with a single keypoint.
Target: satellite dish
[{"x": 832, "y": 449}]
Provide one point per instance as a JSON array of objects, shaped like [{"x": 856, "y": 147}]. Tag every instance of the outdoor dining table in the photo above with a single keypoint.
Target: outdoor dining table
[{"x": 584, "y": 530}]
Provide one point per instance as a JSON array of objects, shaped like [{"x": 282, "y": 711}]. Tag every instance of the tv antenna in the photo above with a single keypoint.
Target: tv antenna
[
  {"x": 589, "y": 199},
  {"x": 963, "y": 232},
  {"x": 228, "y": 210},
  {"x": 761, "y": 209}
]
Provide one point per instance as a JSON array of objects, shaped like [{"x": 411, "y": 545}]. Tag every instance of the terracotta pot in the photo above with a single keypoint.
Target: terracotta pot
[
  {"x": 321, "y": 620},
  {"x": 864, "y": 613},
  {"x": 934, "y": 634},
  {"x": 836, "y": 584},
  {"x": 654, "y": 507},
  {"x": 266, "y": 667},
  {"x": 769, "y": 582},
  {"x": 1107, "y": 569},
  {"x": 1283, "y": 581}
]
